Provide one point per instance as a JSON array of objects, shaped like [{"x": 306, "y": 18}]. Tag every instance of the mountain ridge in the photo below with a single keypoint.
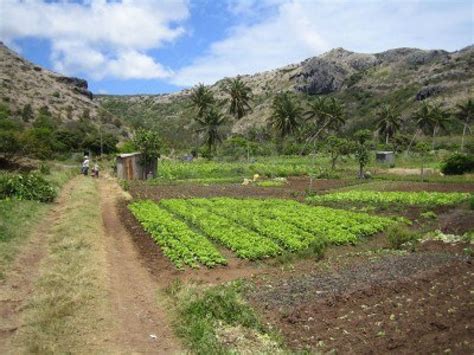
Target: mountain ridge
[{"x": 363, "y": 81}]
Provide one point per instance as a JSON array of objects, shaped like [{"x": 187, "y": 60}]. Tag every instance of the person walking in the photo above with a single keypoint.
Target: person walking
[
  {"x": 95, "y": 170},
  {"x": 85, "y": 165}
]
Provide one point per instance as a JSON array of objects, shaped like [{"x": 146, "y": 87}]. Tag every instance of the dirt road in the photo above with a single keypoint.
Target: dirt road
[
  {"x": 141, "y": 323},
  {"x": 133, "y": 320}
]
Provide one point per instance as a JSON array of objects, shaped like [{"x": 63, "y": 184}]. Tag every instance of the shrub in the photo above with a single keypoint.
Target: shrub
[
  {"x": 44, "y": 169},
  {"x": 458, "y": 164},
  {"x": 26, "y": 187},
  {"x": 471, "y": 202},
  {"x": 399, "y": 236}
]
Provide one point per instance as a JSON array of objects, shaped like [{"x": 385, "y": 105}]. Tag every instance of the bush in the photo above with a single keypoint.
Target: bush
[
  {"x": 26, "y": 187},
  {"x": 458, "y": 164},
  {"x": 399, "y": 237},
  {"x": 471, "y": 202}
]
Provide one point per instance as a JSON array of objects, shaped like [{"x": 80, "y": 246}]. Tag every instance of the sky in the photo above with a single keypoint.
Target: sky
[{"x": 160, "y": 46}]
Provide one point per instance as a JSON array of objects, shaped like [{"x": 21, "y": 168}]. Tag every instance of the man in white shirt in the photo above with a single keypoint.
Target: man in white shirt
[{"x": 85, "y": 165}]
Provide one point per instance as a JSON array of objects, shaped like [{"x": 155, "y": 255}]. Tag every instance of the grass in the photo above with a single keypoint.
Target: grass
[
  {"x": 64, "y": 314},
  {"x": 205, "y": 319},
  {"x": 19, "y": 218}
]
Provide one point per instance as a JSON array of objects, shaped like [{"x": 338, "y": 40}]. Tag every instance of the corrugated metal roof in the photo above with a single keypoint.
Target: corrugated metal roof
[{"x": 126, "y": 155}]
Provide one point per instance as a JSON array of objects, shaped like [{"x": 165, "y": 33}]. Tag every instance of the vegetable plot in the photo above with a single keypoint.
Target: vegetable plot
[
  {"x": 177, "y": 240},
  {"x": 252, "y": 229},
  {"x": 406, "y": 198}
]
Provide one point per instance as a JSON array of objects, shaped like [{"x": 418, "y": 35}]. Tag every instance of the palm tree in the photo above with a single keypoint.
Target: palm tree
[
  {"x": 240, "y": 96},
  {"x": 211, "y": 124},
  {"x": 286, "y": 114},
  {"x": 424, "y": 120},
  {"x": 388, "y": 122},
  {"x": 202, "y": 99},
  {"x": 439, "y": 119},
  {"x": 464, "y": 113},
  {"x": 325, "y": 114}
]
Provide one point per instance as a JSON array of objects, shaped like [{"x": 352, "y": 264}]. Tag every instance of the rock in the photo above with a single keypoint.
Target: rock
[
  {"x": 428, "y": 91},
  {"x": 84, "y": 92},
  {"x": 80, "y": 83},
  {"x": 319, "y": 76},
  {"x": 419, "y": 57}
]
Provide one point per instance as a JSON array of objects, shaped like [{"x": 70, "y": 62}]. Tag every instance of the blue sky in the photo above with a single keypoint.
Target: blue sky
[{"x": 158, "y": 46}]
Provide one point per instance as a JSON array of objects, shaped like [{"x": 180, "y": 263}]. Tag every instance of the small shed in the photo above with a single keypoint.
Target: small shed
[
  {"x": 385, "y": 157},
  {"x": 131, "y": 166}
]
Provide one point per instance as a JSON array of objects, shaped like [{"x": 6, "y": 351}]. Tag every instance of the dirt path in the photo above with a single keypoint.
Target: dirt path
[
  {"x": 141, "y": 323},
  {"x": 17, "y": 286}
]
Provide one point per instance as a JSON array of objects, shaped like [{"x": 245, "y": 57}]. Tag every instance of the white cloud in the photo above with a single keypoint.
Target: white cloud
[
  {"x": 298, "y": 29},
  {"x": 99, "y": 38}
]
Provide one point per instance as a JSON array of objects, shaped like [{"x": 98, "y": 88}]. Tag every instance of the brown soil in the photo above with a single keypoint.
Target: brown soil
[
  {"x": 141, "y": 322},
  {"x": 417, "y": 303},
  {"x": 296, "y": 188},
  {"x": 17, "y": 286},
  {"x": 457, "y": 221}
]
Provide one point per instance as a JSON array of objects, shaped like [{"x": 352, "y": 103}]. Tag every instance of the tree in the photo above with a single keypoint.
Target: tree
[
  {"x": 439, "y": 119},
  {"x": 362, "y": 150},
  {"x": 423, "y": 120},
  {"x": 324, "y": 114},
  {"x": 422, "y": 149},
  {"x": 202, "y": 99},
  {"x": 149, "y": 144},
  {"x": 240, "y": 96},
  {"x": 387, "y": 121},
  {"x": 10, "y": 131},
  {"x": 336, "y": 147},
  {"x": 210, "y": 127},
  {"x": 464, "y": 113},
  {"x": 286, "y": 114},
  {"x": 27, "y": 113}
]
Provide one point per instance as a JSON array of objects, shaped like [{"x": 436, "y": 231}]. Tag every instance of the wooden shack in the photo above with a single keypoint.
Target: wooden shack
[
  {"x": 131, "y": 166},
  {"x": 385, "y": 157}
]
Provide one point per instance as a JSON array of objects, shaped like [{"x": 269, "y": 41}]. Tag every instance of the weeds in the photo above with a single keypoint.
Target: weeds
[
  {"x": 400, "y": 237},
  {"x": 206, "y": 319}
]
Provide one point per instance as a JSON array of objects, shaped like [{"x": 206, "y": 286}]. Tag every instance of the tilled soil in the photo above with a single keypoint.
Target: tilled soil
[
  {"x": 296, "y": 188},
  {"x": 416, "y": 303}
]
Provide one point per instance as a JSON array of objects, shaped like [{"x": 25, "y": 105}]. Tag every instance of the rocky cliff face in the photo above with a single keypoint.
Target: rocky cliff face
[
  {"x": 401, "y": 77},
  {"x": 23, "y": 83}
]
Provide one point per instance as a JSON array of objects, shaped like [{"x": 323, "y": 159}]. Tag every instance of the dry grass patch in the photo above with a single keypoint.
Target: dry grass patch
[{"x": 66, "y": 312}]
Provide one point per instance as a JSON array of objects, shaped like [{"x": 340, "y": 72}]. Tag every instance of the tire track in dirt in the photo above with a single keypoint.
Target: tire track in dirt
[
  {"x": 17, "y": 287},
  {"x": 141, "y": 324}
]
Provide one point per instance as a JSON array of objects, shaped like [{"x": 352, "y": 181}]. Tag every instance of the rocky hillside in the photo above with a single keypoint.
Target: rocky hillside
[
  {"x": 23, "y": 83},
  {"x": 402, "y": 77}
]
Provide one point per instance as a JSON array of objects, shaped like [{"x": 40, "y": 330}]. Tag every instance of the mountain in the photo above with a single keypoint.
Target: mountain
[
  {"x": 402, "y": 77},
  {"x": 23, "y": 83}
]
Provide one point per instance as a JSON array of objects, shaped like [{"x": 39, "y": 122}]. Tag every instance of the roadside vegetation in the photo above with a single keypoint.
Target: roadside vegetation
[
  {"x": 25, "y": 199},
  {"x": 65, "y": 313}
]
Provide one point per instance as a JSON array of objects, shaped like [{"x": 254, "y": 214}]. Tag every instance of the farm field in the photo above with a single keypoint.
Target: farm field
[
  {"x": 252, "y": 229},
  {"x": 288, "y": 286},
  {"x": 236, "y": 177}
]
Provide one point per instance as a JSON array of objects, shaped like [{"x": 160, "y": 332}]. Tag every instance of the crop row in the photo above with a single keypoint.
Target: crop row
[
  {"x": 287, "y": 235},
  {"x": 178, "y": 242},
  {"x": 243, "y": 241},
  {"x": 253, "y": 229},
  {"x": 336, "y": 226},
  {"x": 406, "y": 198}
]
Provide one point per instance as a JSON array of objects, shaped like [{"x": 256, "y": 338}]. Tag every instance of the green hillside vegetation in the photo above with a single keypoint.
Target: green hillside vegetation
[{"x": 402, "y": 79}]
